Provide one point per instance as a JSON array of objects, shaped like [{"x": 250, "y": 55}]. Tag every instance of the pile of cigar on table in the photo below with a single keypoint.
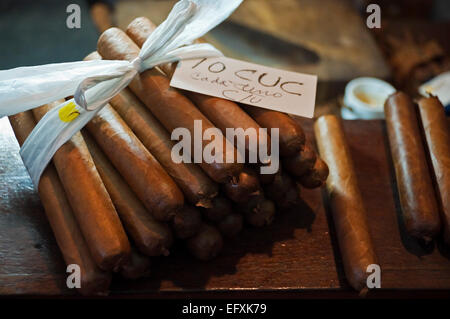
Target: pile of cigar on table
[{"x": 115, "y": 198}]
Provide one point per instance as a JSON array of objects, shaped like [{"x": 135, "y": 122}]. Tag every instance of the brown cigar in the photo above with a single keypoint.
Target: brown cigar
[
  {"x": 240, "y": 188},
  {"x": 195, "y": 184},
  {"x": 167, "y": 104},
  {"x": 258, "y": 210},
  {"x": 316, "y": 176},
  {"x": 302, "y": 162},
  {"x": 138, "y": 266},
  {"x": 417, "y": 197},
  {"x": 292, "y": 137},
  {"x": 206, "y": 244},
  {"x": 231, "y": 225},
  {"x": 347, "y": 209},
  {"x": 61, "y": 218},
  {"x": 223, "y": 113},
  {"x": 437, "y": 134},
  {"x": 220, "y": 208},
  {"x": 91, "y": 204},
  {"x": 148, "y": 179},
  {"x": 145, "y": 175},
  {"x": 151, "y": 237},
  {"x": 187, "y": 222}
]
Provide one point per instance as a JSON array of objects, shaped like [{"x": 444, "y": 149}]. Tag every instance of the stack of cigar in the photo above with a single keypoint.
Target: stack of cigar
[{"x": 114, "y": 196}]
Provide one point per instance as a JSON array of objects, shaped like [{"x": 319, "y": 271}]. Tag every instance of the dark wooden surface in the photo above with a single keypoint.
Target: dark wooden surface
[{"x": 296, "y": 256}]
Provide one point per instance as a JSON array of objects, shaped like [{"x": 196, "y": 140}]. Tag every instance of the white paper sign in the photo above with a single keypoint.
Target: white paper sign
[{"x": 248, "y": 83}]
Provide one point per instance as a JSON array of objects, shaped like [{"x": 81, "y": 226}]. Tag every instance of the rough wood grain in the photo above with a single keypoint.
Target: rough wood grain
[{"x": 295, "y": 254}]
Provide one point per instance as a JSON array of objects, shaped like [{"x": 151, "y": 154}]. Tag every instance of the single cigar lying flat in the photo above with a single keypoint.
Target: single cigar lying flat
[
  {"x": 347, "y": 208},
  {"x": 68, "y": 235},
  {"x": 437, "y": 134},
  {"x": 151, "y": 237},
  {"x": 415, "y": 187},
  {"x": 91, "y": 204},
  {"x": 169, "y": 106}
]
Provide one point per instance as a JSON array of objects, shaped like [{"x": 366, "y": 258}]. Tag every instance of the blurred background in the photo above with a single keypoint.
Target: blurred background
[{"x": 329, "y": 38}]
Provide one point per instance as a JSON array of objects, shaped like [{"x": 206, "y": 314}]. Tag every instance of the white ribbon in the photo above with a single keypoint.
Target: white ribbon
[{"x": 94, "y": 83}]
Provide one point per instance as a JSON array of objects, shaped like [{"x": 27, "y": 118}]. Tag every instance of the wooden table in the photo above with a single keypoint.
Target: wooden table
[{"x": 297, "y": 256}]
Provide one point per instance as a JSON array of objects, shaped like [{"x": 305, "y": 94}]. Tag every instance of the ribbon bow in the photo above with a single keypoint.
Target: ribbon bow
[{"x": 94, "y": 83}]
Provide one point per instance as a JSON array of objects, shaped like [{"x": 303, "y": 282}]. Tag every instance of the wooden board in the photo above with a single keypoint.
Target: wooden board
[{"x": 298, "y": 253}]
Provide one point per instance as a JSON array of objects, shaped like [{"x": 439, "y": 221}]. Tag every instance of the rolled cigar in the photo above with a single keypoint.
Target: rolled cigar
[
  {"x": 347, "y": 209},
  {"x": 281, "y": 185},
  {"x": 292, "y": 137},
  {"x": 145, "y": 175},
  {"x": 91, "y": 204},
  {"x": 198, "y": 188},
  {"x": 220, "y": 208},
  {"x": 187, "y": 222},
  {"x": 207, "y": 244},
  {"x": 170, "y": 107},
  {"x": 223, "y": 113},
  {"x": 258, "y": 211},
  {"x": 302, "y": 162},
  {"x": 231, "y": 225},
  {"x": 239, "y": 189},
  {"x": 415, "y": 188},
  {"x": 151, "y": 237},
  {"x": 138, "y": 266},
  {"x": 148, "y": 179},
  {"x": 68, "y": 235},
  {"x": 437, "y": 134},
  {"x": 316, "y": 176}
]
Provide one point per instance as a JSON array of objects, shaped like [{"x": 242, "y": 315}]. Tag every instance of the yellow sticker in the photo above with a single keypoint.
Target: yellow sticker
[{"x": 68, "y": 113}]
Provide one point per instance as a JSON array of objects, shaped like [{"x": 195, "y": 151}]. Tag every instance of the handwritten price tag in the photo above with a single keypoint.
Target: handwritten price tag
[{"x": 248, "y": 83}]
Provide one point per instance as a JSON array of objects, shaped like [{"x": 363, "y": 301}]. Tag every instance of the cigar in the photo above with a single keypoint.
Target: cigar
[
  {"x": 169, "y": 106},
  {"x": 258, "y": 210},
  {"x": 436, "y": 128},
  {"x": 68, "y": 235},
  {"x": 240, "y": 188},
  {"x": 316, "y": 176},
  {"x": 292, "y": 137},
  {"x": 145, "y": 175},
  {"x": 415, "y": 188},
  {"x": 302, "y": 162},
  {"x": 231, "y": 225},
  {"x": 151, "y": 237},
  {"x": 220, "y": 208},
  {"x": 198, "y": 188},
  {"x": 91, "y": 204},
  {"x": 223, "y": 113},
  {"x": 206, "y": 244},
  {"x": 187, "y": 222},
  {"x": 347, "y": 208},
  {"x": 138, "y": 266}
]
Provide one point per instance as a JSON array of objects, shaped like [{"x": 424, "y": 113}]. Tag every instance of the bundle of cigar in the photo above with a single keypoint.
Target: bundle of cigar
[{"x": 114, "y": 196}]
